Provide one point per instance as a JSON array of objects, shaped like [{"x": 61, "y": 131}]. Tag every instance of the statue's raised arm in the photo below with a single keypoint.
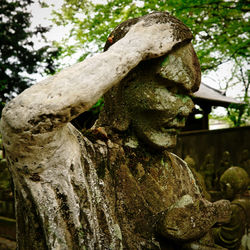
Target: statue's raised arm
[
  {"x": 57, "y": 100},
  {"x": 115, "y": 186}
]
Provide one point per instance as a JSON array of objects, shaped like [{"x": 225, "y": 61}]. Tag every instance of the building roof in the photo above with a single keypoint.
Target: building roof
[{"x": 213, "y": 96}]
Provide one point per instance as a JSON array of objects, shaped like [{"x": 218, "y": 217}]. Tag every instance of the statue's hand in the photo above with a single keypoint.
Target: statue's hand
[
  {"x": 155, "y": 39},
  {"x": 191, "y": 221},
  {"x": 223, "y": 211}
]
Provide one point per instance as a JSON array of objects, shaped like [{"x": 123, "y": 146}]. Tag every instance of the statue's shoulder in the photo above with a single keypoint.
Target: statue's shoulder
[
  {"x": 95, "y": 134},
  {"x": 100, "y": 141},
  {"x": 244, "y": 204},
  {"x": 176, "y": 160}
]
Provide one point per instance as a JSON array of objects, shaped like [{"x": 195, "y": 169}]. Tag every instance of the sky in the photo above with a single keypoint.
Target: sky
[{"x": 42, "y": 16}]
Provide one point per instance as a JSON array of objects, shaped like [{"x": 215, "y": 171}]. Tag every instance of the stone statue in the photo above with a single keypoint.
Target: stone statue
[
  {"x": 234, "y": 186},
  {"x": 207, "y": 171},
  {"x": 225, "y": 163},
  {"x": 116, "y": 186},
  {"x": 245, "y": 160}
]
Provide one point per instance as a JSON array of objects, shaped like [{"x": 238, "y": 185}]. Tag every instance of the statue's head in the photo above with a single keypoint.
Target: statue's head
[
  {"x": 234, "y": 180},
  {"x": 152, "y": 100}
]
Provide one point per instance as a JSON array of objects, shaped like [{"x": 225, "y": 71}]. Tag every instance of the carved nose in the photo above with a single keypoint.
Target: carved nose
[
  {"x": 186, "y": 109},
  {"x": 182, "y": 67}
]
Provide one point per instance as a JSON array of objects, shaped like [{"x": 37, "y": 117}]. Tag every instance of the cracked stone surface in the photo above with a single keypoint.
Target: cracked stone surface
[{"x": 115, "y": 187}]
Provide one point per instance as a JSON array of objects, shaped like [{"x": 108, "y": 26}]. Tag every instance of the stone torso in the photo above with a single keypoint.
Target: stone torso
[
  {"x": 114, "y": 193},
  {"x": 146, "y": 185}
]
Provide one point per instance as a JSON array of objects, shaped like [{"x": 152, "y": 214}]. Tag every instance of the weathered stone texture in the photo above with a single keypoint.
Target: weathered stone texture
[{"x": 106, "y": 189}]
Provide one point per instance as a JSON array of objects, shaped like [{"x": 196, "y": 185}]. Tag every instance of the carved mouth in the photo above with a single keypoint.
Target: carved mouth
[
  {"x": 169, "y": 130},
  {"x": 174, "y": 124}
]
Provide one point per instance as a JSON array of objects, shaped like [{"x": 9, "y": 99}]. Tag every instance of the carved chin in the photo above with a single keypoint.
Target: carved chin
[{"x": 166, "y": 138}]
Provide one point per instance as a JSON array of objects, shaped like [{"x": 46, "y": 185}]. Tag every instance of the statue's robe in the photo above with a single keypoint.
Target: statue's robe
[{"x": 97, "y": 192}]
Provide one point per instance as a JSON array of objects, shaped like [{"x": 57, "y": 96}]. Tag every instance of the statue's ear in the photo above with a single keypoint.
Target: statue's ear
[
  {"x": 115, "y": 112},
  {"x": 122, "y": 119},
  {"x": 228, "y": 187}
]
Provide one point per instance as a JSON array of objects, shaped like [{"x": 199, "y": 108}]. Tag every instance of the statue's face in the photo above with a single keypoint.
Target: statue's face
[
  {"x": 156, "y": 96},
  {"x": 227, "y": 190}
]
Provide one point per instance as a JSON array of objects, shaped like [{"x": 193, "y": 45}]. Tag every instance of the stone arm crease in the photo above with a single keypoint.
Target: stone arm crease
[
  {"x": 190, "y": 221},
  {"x": 52, "y": 103}
]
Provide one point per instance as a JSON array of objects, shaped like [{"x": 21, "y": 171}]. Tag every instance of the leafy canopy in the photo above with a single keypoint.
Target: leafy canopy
[
  {"x": 220, "y": 26},
  {"x": 18, "y": 57}
]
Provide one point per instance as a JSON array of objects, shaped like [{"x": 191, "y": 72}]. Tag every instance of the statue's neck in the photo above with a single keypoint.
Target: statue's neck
[{"x": 125, "y": 139}]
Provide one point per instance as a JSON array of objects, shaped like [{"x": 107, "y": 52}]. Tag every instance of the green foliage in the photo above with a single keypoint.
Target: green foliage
[
  {"x": 221, "y": 27},
  {"x": 238, "y": 114},
  {"x": 18, "y": 58}
]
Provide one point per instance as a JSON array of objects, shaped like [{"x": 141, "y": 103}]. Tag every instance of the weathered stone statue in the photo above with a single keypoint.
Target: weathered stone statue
[
  {"x": 234, "y": 186},
  {"x": 225, "y": 164},
  {"x": 245, "y": 160},
  {"x": 207, "y": 171},
  {"x": 116, "y": 186}
]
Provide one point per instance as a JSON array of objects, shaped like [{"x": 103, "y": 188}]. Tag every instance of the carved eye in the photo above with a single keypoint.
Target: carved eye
[
  {"x": 178, "y": 89},
  {"x": 173, "y": 89}
]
